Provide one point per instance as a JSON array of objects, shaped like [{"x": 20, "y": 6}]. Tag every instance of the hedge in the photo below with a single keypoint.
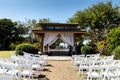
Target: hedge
[{"x": 26, "y": 47}]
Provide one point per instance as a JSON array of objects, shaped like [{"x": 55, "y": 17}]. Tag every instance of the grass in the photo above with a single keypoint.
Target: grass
[{"x": 6, "y": 54}]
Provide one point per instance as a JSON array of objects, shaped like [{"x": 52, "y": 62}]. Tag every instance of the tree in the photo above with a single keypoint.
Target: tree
[
  {"x": 34, "y": 24},
  {"x": 113, "y": 39},
  {"x": 21, "y": 31},
  {"x": 44, "y": 20},
  {"x": 100, "y": 18},
  {"x": 10, "y": 32},
  {"x": 116, "y": 52},
  {"x": 30, "y": 24}
]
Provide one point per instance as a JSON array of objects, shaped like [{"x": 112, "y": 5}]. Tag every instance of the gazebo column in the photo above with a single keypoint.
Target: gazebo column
[
  {"x": 41, "y": 42},
  {"x": 75, "y": 42}
]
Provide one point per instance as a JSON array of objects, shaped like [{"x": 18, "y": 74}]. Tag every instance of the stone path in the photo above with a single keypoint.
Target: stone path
[
  {"x": 60, "y": 70},
  {"x": 61, "y": 58}
]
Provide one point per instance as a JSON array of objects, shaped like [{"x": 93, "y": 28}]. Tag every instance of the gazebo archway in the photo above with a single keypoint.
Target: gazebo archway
[
  {"x": 59, "y": 48},
  {"x": 50, "y": 38}
]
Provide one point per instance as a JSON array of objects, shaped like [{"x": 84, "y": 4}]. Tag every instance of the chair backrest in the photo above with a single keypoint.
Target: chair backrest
[
  {"x": 109, "y": 57},
  {"x": 45, "y": 57},
  {"x": 21, "y": 61},
  {"x": 26, "y": 54},
  {"x": 36, "y": 55},
  {"x": 78, "y": 58},
  {"x": 6, "y": 77},
  {"x": 86, "y": 63},
  {"x": 97, "y": 69},
  {"x": 22, "y": 67},
  {"x": 114, "y": 70},
  {"x": 7, "y": 65},
  {"x": 108, "y": 62},
  {"x": 97, "y": 63}
]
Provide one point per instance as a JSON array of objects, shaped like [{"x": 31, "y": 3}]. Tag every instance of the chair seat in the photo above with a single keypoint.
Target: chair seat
[
  {"x": 37, "y": 67},
  {"x": 11, "y": 72},
  {"x": 2, "y": 71},
  {"x": 26, "y": 73},
  {"x": 42, "y": 62},
  {"x": 95, "y": 75},
  {"x": 76, "y": 63},
  {"x": 6, "y": 77},
  {"x": 110, "y": 75},
  {"x": 83, "y": 67}
]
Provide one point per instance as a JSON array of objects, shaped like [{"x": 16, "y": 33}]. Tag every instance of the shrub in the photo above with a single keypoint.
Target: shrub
[
  {"x": 26, "y": 47},
  {"x": 87, "y": 50},
  {"x": 102, "y": 49},
  {"x": 116, "y": 52},
  {"x": 101, "y": 44},
  {"x": 12, "y": 46},
  {"x": 78, "y": 47},
  {"x": 113, "y": 39},
  {"x": 37, "y": 46}
]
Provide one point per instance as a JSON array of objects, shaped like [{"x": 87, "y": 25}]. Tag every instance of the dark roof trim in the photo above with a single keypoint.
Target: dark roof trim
[
  {"x": 59, "y": 24},
  {"x": 40, "y": 31}
]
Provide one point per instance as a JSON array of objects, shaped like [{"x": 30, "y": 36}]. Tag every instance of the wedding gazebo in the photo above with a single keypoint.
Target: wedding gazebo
[{"x": 50, "y": 32}]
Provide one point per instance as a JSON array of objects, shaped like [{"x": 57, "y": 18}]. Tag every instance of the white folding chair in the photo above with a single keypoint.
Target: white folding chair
[
  {"x": 25, "y": 71},
  {"x": 74, "y": 57},
  {"x": 36, "y": 65},
  {"x": 45, "y": 57},
  {"x": 84, "y": 67},
  {"x": 107, "y": 62},
  {"x": 77, "y": 61},
  {"x": 27, "y": 55},
  {"x": 109, "y": 57},
  {"x": 95, "y": 72},
  {"x": 8, "y": 69},
  {"x": 6, "y": 77},
  {"x": 111, "y": 72}
]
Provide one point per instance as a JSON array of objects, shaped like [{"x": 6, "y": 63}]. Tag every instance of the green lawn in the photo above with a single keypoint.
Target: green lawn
[{"x": 6, "y": 54}]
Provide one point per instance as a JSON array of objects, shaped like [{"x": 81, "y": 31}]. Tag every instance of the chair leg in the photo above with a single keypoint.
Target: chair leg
[{"x": 88, "y": 78}]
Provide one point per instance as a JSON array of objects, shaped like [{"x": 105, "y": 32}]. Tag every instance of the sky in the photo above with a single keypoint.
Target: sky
[{"x": 55, "y": 10}]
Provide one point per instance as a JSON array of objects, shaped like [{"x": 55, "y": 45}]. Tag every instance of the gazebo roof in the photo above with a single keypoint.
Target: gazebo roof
[
  {"x": 59, "y": 24},
  {"x": 59, "y": 28}
]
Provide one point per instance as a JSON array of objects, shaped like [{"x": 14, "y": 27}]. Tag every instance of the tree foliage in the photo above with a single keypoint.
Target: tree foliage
[
  {"x": 116, "y": 52},
  {"x": 10, "y": 32},
  {"x": 44, "y": 20},
  {"x": 113, "y": 39},
  {"x": 100, "y": 18},
  {"x": 87, "y": 50},
  {"x": 31, "y": 24}
]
